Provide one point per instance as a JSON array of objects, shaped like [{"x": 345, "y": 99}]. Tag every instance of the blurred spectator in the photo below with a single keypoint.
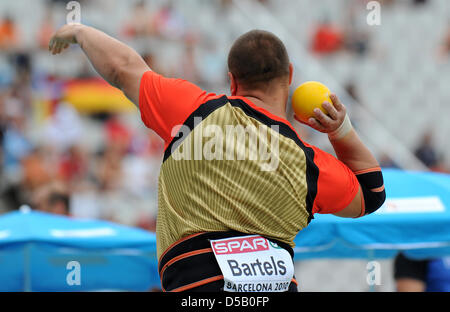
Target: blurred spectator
[
  {"x": 63, "y": 128},
  {"x": 189, "y": 67},
  {"x": 351, "y": 89},
  {"x": 46, "y": 29},
  {"x": 357, "y": 42},
  {"x": 444, "y": 51},
  {"x": 52, "y": 198},
  {"x": 426, "y": 152},
  {"x": 140, "y": 22},
  {"x": 419, "y": 2},
  {"x": 118, "y": 135},
  {"x": 109, "y": 168},
  {"x": 225, "y": 4},
  {"x": 2, "y": 134},
  {"x": 17, "y": 101},
  {"x": 2, "y": 122},
  {"x": 8, "y": 33},
  {"x": 211, "y": 67},
  {"x": 168, "y": 23},
  {"x": 15, "y": 143},
  {"x": 385, "y": 3},
  {"x": 422, "y": 275},
  {"x": 327, "y": 38},
  {"x": 22, "y": 66},
  {"x": 147, "y": 145},
  {"x": 386, "y": 162},
  {"x": 73, "y": 166},
  {"x": 36, "y": 171},
  {"x": 13, "y": 196},
  {"x": 356, "y": 36}
]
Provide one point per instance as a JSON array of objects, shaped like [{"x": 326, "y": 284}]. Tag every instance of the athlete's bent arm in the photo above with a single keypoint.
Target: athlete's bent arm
[
  {"x": 355, "y": 155},
  {"x": 118, "y": 64}
]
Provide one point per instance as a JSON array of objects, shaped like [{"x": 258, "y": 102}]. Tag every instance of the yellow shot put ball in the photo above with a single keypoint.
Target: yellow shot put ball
[{"x": 307, "y": 97}]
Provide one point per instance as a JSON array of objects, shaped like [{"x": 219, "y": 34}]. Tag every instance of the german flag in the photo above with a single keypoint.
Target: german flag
[{"x": 94, "y": 95}]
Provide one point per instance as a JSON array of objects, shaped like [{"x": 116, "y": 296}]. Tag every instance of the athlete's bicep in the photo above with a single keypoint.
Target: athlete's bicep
[
  {"x": 354, "y": 209},
  {"x": 338, "y": 190},
  {"x": 129, "y": 77},
  {"x": 345, "y": 193}
]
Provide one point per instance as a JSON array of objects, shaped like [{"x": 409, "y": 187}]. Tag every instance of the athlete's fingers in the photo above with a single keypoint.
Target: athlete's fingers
[
  {"x": 56, "y": 45},
  {"x": 63, "y": 47},
  {"x": 324, "y": 120},
  {"x": 331, "y": 110},
  {"x": 50, "y": 45},
  {"x": 337, "y": 103},
  {"x": 313, "y": 123},
  {"x": 59, "y": 47},
  {"x": 56, "y": 48}
]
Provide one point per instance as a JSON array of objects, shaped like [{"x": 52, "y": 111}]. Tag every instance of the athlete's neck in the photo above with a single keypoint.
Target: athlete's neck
[{"x": 274, "y": 102}]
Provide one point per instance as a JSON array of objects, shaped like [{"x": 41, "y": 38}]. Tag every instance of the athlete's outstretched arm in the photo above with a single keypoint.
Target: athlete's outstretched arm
[
  {"x": 118, "y": 64},
  {"x": 354, "y": 154}
]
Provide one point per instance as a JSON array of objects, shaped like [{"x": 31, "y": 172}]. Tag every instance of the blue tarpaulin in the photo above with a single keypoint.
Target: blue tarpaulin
[
  {"x": 38, "y": 252},
  {"x": 415, "y": 219}
]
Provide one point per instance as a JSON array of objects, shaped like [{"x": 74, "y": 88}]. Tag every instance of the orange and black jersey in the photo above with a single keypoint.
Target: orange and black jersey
[{"x": 199, "y": 193}]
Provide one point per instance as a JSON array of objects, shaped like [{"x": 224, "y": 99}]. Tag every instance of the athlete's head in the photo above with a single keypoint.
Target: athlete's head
[{"x": 257, "y": 60}]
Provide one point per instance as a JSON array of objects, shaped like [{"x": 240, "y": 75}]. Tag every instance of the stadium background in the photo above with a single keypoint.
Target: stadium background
[{"x": 63, "y": 127}]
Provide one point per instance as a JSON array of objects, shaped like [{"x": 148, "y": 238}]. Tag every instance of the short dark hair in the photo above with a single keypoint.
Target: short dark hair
[
  {"x": 258, "y": 57},
  {"x": 57, "y": 197}
]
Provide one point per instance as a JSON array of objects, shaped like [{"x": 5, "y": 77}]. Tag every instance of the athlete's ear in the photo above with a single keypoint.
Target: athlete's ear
[
  {"x": 233, "y": 84},
  {"x": 291, "y": 73}
]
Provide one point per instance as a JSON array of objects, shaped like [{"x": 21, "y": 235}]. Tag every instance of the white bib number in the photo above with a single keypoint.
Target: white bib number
[{"x": 253, "y": 264}]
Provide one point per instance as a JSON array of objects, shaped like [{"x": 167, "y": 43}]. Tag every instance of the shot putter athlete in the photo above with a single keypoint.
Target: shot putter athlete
[{"x": 225, "y": 224}]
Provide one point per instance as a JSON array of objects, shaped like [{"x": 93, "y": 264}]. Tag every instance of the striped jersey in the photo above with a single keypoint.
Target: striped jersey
[{"x": 231, "y": 165}]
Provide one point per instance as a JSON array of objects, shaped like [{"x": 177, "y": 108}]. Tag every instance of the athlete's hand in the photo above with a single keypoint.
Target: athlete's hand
[
  {"x": 63, "y": 37},
  {"x": 330, "y": 122}
]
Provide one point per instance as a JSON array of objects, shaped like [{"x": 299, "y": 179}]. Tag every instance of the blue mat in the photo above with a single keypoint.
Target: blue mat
[{"x": 37, "y": 251}]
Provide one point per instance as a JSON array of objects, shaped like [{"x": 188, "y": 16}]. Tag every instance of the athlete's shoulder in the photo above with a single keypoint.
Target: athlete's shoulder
[{"x": 167, "y": 102}]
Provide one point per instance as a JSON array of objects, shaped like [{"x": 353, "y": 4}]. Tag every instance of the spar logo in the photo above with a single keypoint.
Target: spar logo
[{"x": 240, "y": 245}]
